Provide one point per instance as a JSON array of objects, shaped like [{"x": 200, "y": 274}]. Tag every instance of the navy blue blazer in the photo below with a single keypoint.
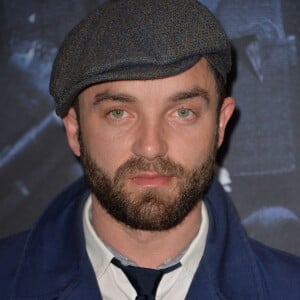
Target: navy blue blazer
[{"x": 50, "y": 261}]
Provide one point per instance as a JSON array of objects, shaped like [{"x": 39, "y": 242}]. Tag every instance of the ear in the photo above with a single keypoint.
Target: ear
[
  {"x": 72, "y": 127},
  {"x": 225, "y": 114}
]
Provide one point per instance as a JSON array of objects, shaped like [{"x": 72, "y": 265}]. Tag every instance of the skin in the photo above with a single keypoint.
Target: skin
[{"x": 174, "y": 117}]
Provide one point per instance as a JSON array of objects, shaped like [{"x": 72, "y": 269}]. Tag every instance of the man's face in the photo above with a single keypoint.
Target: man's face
[{"x": 148, "y": 147}]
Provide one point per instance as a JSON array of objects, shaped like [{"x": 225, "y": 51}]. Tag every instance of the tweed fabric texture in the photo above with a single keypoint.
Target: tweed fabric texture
[{"x": 136, "y": 39}]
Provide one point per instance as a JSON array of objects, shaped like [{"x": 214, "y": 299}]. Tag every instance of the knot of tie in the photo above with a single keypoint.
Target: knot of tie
[{"x": 144, "y": 280}]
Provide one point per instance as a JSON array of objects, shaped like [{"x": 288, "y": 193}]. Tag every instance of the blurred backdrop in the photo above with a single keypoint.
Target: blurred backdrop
[{"x": 259, "y": 163}]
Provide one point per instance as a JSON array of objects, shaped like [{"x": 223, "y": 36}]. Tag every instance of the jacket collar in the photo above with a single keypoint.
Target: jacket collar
[
  {"x": 58, "y": 267},
  {"x": 228, "y": 269},
  {"x": 54, "y": 258}
]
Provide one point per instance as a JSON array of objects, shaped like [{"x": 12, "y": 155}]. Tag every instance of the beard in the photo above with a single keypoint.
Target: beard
[{"x": 149, "y": 208}]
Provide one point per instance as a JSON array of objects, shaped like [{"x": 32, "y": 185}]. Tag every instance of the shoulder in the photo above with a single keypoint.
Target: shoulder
[
  {"x": 12, "y": 246},
  {"x": 59, "y": 213},
  {"x": 11, "y": 249},
  {"x": 280, "y": 271}
]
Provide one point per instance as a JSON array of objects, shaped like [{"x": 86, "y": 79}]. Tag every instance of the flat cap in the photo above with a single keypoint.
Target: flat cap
[{"x": 136, "y": 39}]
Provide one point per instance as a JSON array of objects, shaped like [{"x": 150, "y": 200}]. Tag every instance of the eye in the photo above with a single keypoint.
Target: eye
[
  {"x": 184, "y": 113},
  {"x": 117, "y": 114}
]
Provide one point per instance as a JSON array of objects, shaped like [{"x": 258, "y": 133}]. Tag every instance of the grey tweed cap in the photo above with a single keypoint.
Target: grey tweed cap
[{"x": 136, "y": 39}]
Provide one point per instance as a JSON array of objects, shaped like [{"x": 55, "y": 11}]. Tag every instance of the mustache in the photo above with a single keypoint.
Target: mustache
[{"x": 162, "y": 166}]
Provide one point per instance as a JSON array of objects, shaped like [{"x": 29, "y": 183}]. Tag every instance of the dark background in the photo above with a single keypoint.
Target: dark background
[{"x": 259, "y": 161}]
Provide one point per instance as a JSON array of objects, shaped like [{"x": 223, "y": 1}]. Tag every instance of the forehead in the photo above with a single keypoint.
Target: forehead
[{"x": 199, "y": 76}]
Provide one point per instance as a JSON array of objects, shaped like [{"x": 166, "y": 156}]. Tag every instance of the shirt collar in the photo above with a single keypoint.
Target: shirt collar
[
  {"x": 98, "y": 253},
  {"x": 101, "y": 255},
  {"x": 195, "y": 251}
]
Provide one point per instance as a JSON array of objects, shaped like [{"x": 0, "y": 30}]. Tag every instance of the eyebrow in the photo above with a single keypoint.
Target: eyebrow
[
  {"x": 195, "y": 92},
  {"x": 105, "y": 96}
]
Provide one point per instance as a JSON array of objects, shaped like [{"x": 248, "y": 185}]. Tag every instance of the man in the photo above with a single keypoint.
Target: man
[{"x": 139, "y": 86}]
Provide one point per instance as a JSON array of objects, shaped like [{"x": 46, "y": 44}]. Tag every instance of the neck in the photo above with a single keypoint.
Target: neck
[{"x": 147, "y": 249}]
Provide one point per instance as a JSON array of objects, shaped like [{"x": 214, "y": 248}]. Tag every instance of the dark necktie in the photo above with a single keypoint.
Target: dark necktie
[{"x": 144, "y": 280}]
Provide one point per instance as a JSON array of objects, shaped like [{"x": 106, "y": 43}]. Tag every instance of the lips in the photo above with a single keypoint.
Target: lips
[{"x": 151, "y": 180}]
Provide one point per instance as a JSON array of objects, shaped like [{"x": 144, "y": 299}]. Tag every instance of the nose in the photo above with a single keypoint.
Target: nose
[{"x": 150, "y": 141}]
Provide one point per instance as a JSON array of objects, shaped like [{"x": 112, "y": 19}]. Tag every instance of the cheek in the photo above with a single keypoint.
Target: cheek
[
  {"x": 107, "y": 149},
  {"x": 194, "y": 146}
]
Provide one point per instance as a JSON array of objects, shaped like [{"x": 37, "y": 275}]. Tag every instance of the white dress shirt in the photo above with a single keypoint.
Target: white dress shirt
[{"x": 114, "y": 284}]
